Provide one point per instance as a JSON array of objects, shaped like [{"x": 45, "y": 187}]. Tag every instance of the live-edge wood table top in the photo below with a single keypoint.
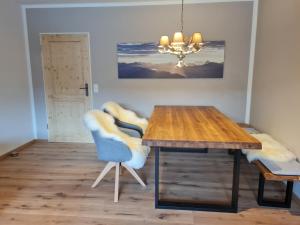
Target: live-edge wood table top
[{"x": 195, "y": 127}]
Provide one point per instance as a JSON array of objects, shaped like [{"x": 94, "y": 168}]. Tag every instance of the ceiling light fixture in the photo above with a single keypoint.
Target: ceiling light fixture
[{"x": 181, "y": 45}]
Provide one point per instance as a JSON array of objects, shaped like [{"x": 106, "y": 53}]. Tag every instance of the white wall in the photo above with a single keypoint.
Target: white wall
[
  {"x": 276, "y": 85},
  {"x": 15, "y": 111}
]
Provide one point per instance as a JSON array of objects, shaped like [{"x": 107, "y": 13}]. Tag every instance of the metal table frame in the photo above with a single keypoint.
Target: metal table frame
[{"x": 231, "y": 207}]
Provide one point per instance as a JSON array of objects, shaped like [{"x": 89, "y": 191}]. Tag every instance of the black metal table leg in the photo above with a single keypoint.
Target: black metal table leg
[
  {"x": 271, "y": 202},
  {"x": 236, "y": 181},
  {"x": 226, "y": 207},
  {"x": 156, "y": 149}
]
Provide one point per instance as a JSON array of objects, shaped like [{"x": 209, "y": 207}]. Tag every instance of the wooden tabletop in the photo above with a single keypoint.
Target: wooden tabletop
[{"x": 195, "y": 127}]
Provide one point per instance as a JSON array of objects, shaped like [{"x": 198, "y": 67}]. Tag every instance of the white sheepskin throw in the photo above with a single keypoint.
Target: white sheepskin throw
[
  {"x": 97, "y": 120},
  {"x": 271, "y": 150},
  {"x": 125, "y": 115}
]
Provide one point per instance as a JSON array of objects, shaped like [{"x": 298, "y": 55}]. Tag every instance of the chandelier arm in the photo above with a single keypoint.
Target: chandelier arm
[
  {"x": 176, "y": 52},
  {"x": 173, "y": 51}
]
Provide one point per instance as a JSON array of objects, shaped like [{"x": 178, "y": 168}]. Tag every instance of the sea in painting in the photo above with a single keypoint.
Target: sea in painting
[{"x": 142, "y": 60}]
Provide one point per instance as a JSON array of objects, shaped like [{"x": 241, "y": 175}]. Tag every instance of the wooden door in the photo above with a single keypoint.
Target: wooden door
[{"x": 66, "y": 69}]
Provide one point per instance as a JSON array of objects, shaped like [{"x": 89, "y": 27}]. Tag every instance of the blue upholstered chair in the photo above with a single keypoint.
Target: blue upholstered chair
[
  {"x": 115, "y": 147},
  {"x": 125, "y": 118}
]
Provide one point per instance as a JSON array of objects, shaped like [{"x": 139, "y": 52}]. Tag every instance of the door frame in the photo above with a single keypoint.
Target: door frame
[{"x": 91, "y": 98}]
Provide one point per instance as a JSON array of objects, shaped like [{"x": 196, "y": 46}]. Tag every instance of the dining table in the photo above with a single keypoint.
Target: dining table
[{"x": 196, "y": 129}]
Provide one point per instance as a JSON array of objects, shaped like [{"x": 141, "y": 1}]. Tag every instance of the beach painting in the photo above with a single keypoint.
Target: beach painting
[{"x": 142, "y": 60}]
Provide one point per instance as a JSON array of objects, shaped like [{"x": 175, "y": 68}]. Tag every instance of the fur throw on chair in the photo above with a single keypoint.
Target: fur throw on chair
[
  {"x": 125, "y": 115},
  {"x": 97, "y": 120}
]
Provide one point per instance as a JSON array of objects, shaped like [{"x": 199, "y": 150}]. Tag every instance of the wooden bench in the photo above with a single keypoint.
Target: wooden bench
[{"x": 267, "y": 175}]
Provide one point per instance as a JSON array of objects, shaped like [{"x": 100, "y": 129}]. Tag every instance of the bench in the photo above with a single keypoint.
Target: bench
[{"x": 267, "y": 175}]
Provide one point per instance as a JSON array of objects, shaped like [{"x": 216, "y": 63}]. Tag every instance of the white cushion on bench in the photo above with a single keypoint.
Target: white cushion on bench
[
  {"x": 271, "y": 150},
  {"x": 291, "y": 168}
]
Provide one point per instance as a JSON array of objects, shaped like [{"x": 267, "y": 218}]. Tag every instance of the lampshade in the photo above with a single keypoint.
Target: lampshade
[
  {"x": 164, "y": 41},
  {"x": 178, "y": 37},
  {"x": 196, "y": 38}
]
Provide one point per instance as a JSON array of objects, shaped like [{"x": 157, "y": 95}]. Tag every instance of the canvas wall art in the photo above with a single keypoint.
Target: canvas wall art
[{"x": 142, "y": 60}]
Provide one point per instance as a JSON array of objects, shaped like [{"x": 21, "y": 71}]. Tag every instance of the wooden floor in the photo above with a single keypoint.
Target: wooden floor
[{"x": 50, "y": 183}]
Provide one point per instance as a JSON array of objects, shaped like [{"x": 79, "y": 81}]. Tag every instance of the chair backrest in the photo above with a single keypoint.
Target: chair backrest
[
  {"x": 114, "y": 109},
  {"x": 125, "y": 118},
  {"x": 110, "y": 142}
]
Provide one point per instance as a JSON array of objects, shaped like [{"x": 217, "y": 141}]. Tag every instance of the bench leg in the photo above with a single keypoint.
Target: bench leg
[
  {"x": 274, "y": 203},
  {"x": 261, "y": 188}
]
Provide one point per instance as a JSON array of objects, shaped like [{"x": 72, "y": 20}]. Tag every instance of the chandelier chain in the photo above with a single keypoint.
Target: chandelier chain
[{"x": 182, "y": 16}]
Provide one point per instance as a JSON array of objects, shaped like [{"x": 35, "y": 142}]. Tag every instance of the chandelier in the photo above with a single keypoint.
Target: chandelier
[{"x": 181, "y": 45}]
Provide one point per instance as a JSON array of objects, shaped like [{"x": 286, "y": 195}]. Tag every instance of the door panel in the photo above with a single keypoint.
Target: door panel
[{"x": 66, "y": 67}]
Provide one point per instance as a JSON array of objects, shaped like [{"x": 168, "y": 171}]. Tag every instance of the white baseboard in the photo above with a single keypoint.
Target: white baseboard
[{"x": 6, "y": 150}]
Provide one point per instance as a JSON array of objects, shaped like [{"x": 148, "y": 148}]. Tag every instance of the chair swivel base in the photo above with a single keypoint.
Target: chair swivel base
[{"x": 118, "y": 165}]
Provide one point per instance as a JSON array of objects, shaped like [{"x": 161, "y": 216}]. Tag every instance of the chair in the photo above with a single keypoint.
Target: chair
[
  {"x": 115, "y": 147},
  {"x": 125, "y": 118}
]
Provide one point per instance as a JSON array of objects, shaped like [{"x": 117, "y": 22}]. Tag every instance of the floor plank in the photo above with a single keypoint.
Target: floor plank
[{"x": 50, "y": 183}]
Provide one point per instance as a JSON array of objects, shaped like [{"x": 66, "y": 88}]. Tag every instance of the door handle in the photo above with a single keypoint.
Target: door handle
[{"x": 86, "y": 88}]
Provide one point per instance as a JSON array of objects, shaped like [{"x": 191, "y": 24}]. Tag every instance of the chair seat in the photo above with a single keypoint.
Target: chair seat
[{"x": 139, "y": 155}]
